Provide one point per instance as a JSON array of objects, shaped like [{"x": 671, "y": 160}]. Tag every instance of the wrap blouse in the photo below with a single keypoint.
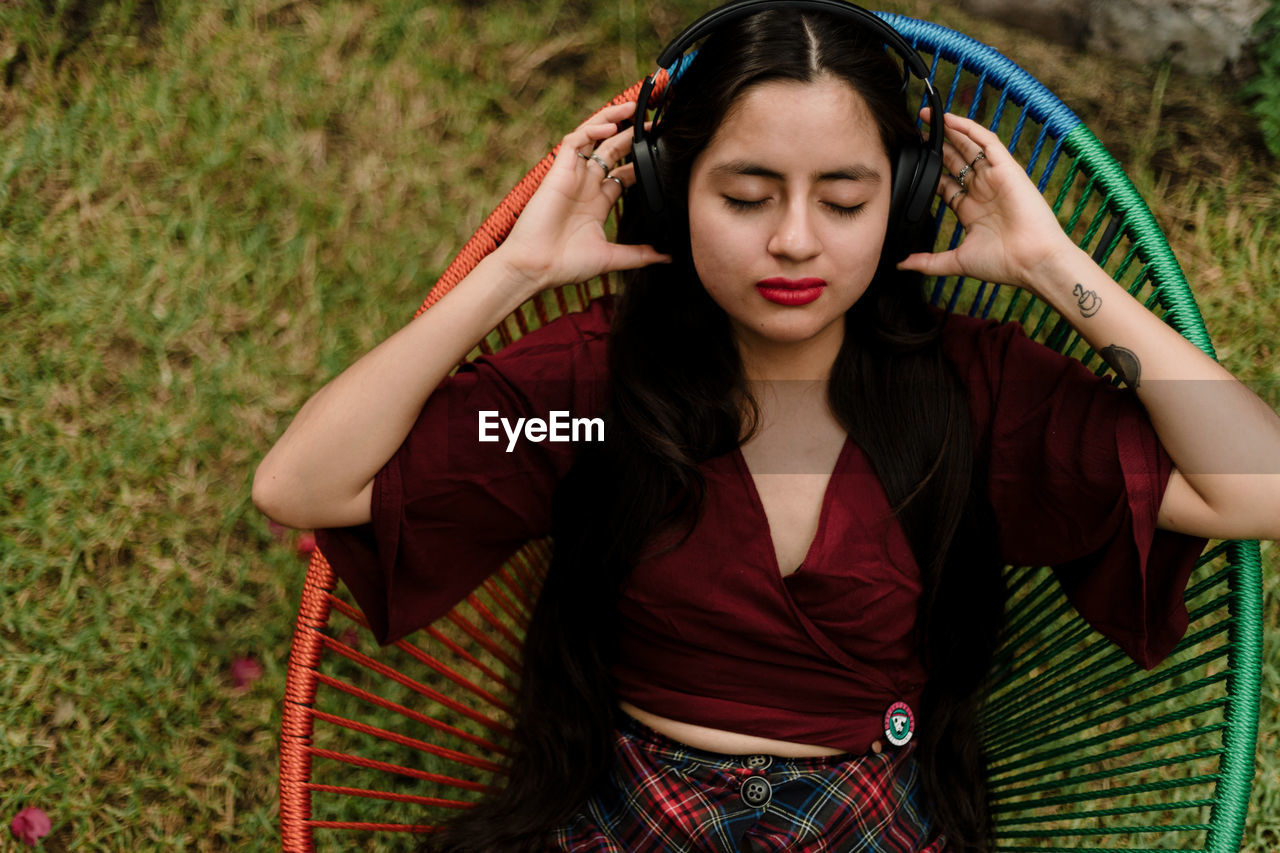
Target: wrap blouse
[{"x": 712, "y": 633}]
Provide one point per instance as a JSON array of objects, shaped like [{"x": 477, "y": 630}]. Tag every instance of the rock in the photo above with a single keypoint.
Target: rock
[
  {"x": 1062, "y": 21},
  {"x": 1199, "y": 36}
]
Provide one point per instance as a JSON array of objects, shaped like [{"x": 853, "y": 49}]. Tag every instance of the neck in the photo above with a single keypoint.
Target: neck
[{"x": 773, "y": 361}]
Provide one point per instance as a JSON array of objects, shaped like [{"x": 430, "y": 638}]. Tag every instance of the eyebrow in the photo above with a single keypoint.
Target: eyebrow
[{"x": 856, "y": 172}]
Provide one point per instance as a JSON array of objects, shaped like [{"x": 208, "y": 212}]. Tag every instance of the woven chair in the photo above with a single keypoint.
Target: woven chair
[{"x": 1086, "y": 750}]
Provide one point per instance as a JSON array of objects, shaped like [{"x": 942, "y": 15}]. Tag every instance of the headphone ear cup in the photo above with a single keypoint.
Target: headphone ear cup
[
  {"x": 914, "y": 183},
  {"x": 644, "y": 154}
]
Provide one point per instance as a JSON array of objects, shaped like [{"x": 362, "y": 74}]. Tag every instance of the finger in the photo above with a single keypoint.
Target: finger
[
  {"x": 985, "y": 140},
  {"x": 932, "y": 263},
  {"x": 626, "y": 173},
  {"x": 615, "y": 147},
  {"x": 612, "y": 187},
  {"x": 954, "y": 198},
  {"x": 957, "y": 164},
  {"x": 584, "y": 137},
  {"x": 969, "y": 138},
  {"x": 601, "y": 125},
  {"x": 630, "y": 257}
]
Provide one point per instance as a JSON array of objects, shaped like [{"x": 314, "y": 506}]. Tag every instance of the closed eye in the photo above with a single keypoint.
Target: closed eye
[
  {"x": 755, "y": 204},
  {"x": 744, "y": 204},
  {"x": 850, "y": 212}
]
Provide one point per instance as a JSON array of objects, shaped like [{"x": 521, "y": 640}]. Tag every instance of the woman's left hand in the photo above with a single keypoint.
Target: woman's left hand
[{"x": 1010, "y": 231}]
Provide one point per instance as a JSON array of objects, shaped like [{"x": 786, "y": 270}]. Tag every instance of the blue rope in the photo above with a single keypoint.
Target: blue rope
[{"x": 999, "y": 69}]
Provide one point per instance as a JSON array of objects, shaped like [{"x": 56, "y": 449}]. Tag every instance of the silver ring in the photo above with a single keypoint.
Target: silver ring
[
  {"x": 601, "y": 163},
  {"x": 617, "y": 181},
  {"x": 962, "y": 191},
  {"x": 960, "y": 175},
  {"x": 973, "y": 164}
]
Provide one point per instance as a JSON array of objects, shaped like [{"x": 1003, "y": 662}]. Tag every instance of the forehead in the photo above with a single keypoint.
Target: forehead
[{"x": 797, "y": 122}]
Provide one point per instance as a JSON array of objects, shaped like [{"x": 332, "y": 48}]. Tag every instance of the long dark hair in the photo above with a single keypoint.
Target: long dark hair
[{"x": 679, "y": 397}]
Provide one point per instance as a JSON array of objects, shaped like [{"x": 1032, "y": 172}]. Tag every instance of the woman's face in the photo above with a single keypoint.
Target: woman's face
[{"x": 788, "y": 207}]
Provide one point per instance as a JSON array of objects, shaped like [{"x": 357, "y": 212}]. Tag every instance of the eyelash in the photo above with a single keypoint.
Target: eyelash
[{"x": 743, "y": 205}]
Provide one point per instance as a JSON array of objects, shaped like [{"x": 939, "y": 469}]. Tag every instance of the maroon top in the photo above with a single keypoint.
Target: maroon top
[{"x": 711, "y": 633}]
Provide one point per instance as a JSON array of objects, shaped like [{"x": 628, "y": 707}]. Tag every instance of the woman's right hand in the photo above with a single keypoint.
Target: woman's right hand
[{"x": 559, "y": 237}]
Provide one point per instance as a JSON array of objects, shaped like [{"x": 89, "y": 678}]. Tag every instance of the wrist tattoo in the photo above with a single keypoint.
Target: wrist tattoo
[
  {"x": 1124, "y": 362},
  {"x": 1088, "y": 301}
]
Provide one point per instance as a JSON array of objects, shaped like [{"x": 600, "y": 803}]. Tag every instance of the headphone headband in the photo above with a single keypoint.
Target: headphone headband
[
  {"x": 918, "y": 187},
  {"x": 732, "y": 11}
]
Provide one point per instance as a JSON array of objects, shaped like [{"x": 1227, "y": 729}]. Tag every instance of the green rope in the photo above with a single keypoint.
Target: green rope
[
  {"x": 1072, "y": 747},
  {"x": 1180, "y": 758},
  {"x": 1009, "y": 783},
  {"x": 1100, "y": 813},
  {"x": 1244, "y": 684}
]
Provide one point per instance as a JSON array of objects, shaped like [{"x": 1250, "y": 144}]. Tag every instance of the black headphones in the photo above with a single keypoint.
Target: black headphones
[{"x": 919, "y": 165}]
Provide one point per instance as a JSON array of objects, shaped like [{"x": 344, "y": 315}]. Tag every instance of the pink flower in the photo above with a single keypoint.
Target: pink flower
[
  {"x": 245, "y": 671},
  {"x": 306, "y": 544},
  {"x": 278, "y": 531},
  {"x": 30, "y": 825},
  {"x": 350, "y": 637}
]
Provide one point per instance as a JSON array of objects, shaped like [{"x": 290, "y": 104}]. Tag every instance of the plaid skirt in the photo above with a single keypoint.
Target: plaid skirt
[{"x": 665, "y": 796}]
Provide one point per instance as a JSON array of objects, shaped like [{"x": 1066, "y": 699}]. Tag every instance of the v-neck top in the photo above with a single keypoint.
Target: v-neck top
[{"x": 711, "y": 633}]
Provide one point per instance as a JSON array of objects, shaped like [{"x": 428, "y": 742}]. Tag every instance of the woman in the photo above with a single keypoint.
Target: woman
[{"x": 776, "y": 587}]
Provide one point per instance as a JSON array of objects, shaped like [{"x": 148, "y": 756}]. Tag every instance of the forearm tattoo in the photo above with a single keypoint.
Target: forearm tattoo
[
  {"x": 1124, "y": 363},
  {"x": 1088, "y": 300}
]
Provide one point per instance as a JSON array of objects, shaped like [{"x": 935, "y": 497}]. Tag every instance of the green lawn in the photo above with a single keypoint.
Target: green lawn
[{"x": 207, "y": 212}]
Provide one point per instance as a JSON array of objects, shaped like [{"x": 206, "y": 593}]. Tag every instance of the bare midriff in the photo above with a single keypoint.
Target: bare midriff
[{"x": 730, "y": 743}]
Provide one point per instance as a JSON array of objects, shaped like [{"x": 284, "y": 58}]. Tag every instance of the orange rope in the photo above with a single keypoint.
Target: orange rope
[{"x": 296, "y": 725}]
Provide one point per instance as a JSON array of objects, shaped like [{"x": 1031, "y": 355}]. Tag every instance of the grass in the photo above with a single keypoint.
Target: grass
[{"x": 208, "y": 209}]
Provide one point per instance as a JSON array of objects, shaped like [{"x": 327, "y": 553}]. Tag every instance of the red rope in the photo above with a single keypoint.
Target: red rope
[
  {"x": 464, "y": 654},
  {"x": 505, "y": 604},
  {"x": 369, "y": 827},
  {"x": 397, "y": 769},
  {"x": 367, "y": 794},
  {"x": 414, "y": 685},
  {"x": 483, "y": 639},
  {"x": 410, "y": 742},
  {"x": 409, "y": 713}
]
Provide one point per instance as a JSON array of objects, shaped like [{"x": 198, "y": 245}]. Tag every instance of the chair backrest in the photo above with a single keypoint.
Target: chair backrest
[{"x": 1086, "y": 749}]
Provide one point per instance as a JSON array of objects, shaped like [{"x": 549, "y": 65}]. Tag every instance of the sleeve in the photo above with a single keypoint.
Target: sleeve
[
  {"x": 461, "y": 494},
  {"x": 1077, "y": 475}
]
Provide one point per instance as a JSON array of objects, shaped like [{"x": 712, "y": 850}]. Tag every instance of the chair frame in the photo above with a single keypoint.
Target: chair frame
[{"x": 1224, "y": 720}]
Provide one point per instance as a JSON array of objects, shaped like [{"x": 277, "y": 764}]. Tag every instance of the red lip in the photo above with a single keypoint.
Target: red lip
[
  {"x": 791, "y": 291},
  {"x": 792, "y": 283}
]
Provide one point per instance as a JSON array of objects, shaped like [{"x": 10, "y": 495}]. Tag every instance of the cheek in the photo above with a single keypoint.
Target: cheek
[{"x": 713, "y": 242}]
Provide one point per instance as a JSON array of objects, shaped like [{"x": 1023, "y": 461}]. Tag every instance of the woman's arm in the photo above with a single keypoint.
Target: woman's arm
[
  {"x": 1224, "y": 440},
  {"x": 320, "y": 472}
]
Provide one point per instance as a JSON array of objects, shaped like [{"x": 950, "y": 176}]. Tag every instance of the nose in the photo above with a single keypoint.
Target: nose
[{"x": 794, "y": 237}]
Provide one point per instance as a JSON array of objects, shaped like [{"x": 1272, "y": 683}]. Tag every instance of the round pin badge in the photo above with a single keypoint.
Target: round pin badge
[{"x": 899, "y": 723}]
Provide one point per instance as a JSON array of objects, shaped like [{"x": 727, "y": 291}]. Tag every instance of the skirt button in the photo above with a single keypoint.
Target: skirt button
[{"x": 757, "y": 792}]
